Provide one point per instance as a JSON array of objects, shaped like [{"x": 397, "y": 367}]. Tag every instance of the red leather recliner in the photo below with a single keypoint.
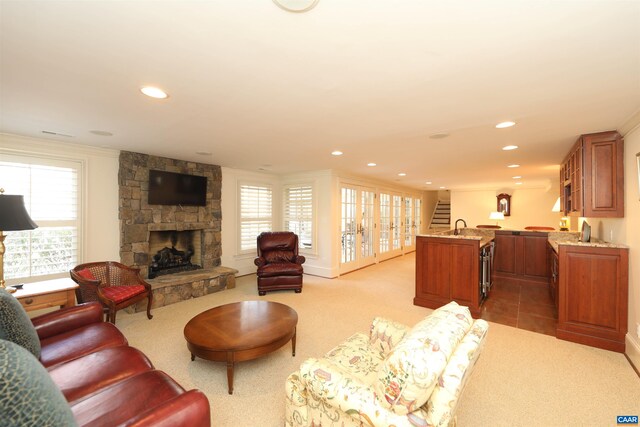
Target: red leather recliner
[{"x": 279, "y": 265}]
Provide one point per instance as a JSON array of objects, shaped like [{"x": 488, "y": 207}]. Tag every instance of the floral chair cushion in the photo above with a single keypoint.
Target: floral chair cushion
[
  {"x": 411, "y": 369},
  {"x": 385, "y": 334}
]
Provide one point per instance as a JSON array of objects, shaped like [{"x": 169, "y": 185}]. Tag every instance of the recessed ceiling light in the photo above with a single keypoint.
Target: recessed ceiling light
[
  {"x": 336, "y": 153},
  {"x": 402, "y": 174},
  {"x": 154, "y": 92},
  {"x": 516, "y": 177},
  {"x": 371, "y": 164},
  {"x": 439, "y": 135},
  {"x": 510, "y": 147},
  {"x": 505, "y": 125},
  {"x": 518, "y": 183},
  {"x": 428, "y": 182},
  {"x": 101, "y": 132},
  {"x": 513, "y": 166},
  {"x": 442, "y": 187},
  {"x": 50, "y": 132}
]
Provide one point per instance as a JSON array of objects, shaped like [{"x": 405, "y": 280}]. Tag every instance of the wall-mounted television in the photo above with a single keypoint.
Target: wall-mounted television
[{"x": 169, "y": 188}]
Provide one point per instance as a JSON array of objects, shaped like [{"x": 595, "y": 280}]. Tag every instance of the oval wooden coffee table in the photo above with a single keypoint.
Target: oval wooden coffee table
[{"x": 241, "y": 331}]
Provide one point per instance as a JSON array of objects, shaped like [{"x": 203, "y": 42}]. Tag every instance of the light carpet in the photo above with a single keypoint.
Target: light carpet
[{"x": 521, "y": 379}]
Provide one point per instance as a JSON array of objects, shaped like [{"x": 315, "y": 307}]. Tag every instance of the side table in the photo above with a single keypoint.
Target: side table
[{"x": 46, "y": 294}]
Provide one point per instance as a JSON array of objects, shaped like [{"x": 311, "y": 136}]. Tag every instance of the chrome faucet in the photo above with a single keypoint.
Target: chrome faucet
[{"x": 456, "y": 231}]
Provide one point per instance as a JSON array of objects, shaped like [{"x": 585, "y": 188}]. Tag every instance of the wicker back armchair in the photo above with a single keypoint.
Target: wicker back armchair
[{"x": 115, "y": 285}]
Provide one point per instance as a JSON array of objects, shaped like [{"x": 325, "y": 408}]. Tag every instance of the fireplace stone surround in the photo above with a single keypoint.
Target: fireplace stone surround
[{"x": 138, "y": 219}]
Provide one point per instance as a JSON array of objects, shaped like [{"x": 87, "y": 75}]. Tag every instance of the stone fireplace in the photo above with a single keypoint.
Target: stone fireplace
[{"x": 180, "y": 236}]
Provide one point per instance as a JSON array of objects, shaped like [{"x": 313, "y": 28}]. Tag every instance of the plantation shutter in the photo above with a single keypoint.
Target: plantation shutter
[
  {"x": 51, "y": 196},
  {"x": 255, "y": 214},
  {"x": 298, "y": 214}
]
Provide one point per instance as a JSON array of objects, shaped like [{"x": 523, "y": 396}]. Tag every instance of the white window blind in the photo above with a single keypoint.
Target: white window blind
[
  {"x": 298, "y": 214},
  {"x": 255, "y": 214},
  {"x": 51, "y": 196}
]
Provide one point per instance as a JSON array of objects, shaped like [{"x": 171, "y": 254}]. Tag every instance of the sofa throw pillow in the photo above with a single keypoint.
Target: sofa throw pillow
[
  {"x": 15, "y": 325},
  {"x": 29, "y": 396},
  {"x": 411, "y": 369}
]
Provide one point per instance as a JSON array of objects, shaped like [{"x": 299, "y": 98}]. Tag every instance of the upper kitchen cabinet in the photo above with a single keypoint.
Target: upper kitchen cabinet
[{"x": 592, "y": 177}]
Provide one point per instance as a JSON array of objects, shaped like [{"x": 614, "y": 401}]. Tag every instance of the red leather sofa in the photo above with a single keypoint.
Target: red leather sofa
[{"x": 107, "y": 382}]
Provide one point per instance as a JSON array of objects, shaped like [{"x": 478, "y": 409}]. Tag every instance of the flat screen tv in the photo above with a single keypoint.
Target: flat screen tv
[{"x": 168, "y": 188}]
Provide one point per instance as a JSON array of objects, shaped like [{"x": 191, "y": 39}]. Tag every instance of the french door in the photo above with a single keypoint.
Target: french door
[
  {"x": 357, "y": 227},
  {"x": 412, "y": 222},
  {"x": 391, "y": 225}
]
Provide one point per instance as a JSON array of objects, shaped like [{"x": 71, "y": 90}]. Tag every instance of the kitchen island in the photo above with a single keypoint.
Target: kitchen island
[
  {"x": 588, "y": 282},
  {"x": 449, "y": 268}
]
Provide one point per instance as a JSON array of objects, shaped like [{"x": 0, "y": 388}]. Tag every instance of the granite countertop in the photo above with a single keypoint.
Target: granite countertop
[
  {"x": 483, "y": 235},
  {"x": 572, "y": 238},
  {"x": 555, "y": 238}
]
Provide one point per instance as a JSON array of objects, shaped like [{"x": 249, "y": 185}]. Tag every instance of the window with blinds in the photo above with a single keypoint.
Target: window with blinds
[
  {"x": 51, "y": 196},
  {"x": 256, "y": 214},
  {"x": 298, "y": 214}
]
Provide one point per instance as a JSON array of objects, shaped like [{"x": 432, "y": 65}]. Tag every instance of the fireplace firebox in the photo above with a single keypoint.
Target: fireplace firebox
[{"x": 174, "y": 251}]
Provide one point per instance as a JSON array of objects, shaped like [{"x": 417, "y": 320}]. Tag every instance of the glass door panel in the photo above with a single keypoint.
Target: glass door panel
[
  {"x": 348, "y": 226},
  {"x": 385, "y": 223},
  {"x": 408, "y": 222},
  {"x": 396, "y": 223},
  {"x": 367, "y": 227}
]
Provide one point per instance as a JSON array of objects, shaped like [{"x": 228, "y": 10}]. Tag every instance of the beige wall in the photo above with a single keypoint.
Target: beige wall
[
  {"x": 429, "y": 201},
  {"x": 528, "y": 207},
  {"x": 101, "y": 231}
]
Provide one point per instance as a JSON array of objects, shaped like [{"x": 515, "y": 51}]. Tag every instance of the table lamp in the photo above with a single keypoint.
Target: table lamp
[
  {"x": 497, "y": 216},
  {"x": 13, "y": 217}
]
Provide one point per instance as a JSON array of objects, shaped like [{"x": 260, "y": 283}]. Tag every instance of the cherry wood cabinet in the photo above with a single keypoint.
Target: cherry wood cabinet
[
  {"x": 521, "y": 255},
  {"x": 448, "y": 270},
  {"x": 593, "y": 295},
  {"x": 592, "y": 177},
  {"x": 554, "y": 272}
]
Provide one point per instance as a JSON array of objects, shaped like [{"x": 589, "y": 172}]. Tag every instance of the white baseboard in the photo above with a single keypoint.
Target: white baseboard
[{"x": 633, "y": 351}]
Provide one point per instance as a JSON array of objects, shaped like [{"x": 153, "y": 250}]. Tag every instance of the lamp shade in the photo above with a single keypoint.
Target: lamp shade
[
  {"x": 13, "y": 214},
  {"x": 496, "y": 216}
]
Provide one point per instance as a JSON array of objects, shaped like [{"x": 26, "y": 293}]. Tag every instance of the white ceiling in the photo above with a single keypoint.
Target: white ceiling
[{"x": 262, "y": 88}]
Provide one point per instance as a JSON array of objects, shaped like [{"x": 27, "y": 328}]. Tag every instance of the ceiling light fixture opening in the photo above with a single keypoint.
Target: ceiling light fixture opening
[
  {"x": 371, "y": 164},
  {"x": 402, "y": 174},
  {"x": 441, "y": 135},
  {"x": 518, "y": 183},
  {"x": 154, "y": 92},
  {"x": 336, "y": 153},
  {"x": 442, "y": 188},
  {"x": 296, "y": 6},
  {"x": 428, "y": 182},
  {"x": 513, "y": 166},
  {"x": 505, "y": 125},
  {"x": 510, "y": 147},
  {"x": 101, "y": 132},
  {"x": 516, "y": 177}
]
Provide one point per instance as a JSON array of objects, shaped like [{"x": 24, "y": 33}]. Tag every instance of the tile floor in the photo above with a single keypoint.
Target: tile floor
[{"x": 521, "y": 305}]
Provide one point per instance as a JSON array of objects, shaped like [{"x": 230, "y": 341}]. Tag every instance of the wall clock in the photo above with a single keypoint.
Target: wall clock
[{"x": 504, "y": 204}]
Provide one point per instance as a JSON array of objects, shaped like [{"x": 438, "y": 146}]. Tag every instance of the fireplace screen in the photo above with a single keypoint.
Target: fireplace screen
[{"x": 174, "y": 251}]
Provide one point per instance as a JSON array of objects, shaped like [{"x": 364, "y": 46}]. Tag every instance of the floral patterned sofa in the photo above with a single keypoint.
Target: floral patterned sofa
[{"x": 395, "y": 376}]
